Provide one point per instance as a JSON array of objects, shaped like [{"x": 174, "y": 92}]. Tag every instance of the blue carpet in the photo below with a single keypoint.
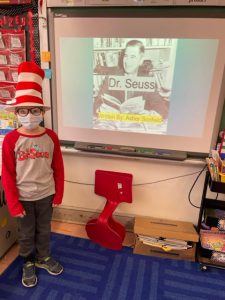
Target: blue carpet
[{"x": 95, "y": 273}]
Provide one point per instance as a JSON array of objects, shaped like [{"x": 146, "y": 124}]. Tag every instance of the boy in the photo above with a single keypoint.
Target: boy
[{"x": 32, "y": 174}]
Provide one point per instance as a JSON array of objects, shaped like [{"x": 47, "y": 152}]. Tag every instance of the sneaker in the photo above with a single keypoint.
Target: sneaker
[
  {"x": 29, "y": 278},
  {"x": 50, "y": 265}
]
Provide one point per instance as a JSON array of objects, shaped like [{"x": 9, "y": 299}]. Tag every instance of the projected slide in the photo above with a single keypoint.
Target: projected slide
[
  {"x": 132, "y": 81},
  {"x": 142, "y": 86}
]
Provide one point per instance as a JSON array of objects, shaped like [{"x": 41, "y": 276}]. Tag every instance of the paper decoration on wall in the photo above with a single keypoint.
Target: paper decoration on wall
[
  {"x": 45, "y": 56},
  {"x": 12, "y": 53}
]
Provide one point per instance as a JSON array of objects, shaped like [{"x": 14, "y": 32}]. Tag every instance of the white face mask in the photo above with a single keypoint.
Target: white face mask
[{"x": 30, "y": 121}]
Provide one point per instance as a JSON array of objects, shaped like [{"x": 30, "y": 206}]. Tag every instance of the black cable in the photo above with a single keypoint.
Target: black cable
[
  {"x": 145, "y": 183},
  {"x": 82, "y": 183},
  {"x": 171, "y": 178},
  {"x": 158, "y": 181},
  {"x": 189, "y": 194}
]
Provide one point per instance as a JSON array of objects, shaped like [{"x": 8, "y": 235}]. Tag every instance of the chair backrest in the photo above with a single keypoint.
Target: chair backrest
[{"x": 114, "y": 186}]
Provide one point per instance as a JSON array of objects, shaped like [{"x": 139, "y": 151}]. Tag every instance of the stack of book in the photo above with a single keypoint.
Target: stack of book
[
  {"x": 164, "y": 243},
  {"x": 216, "y": 166}
]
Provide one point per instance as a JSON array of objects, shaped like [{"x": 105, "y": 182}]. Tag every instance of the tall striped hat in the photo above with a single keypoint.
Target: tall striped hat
[{"x": 28, "y": 88}]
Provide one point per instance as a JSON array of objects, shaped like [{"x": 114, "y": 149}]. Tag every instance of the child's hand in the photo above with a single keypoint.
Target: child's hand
[
  {"x": 54, "y": 205},
  {"x": 23, "y": 214}
]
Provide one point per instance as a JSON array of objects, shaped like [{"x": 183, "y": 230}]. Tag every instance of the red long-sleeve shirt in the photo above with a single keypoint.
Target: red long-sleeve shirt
[{"x": 32, "y": 168}]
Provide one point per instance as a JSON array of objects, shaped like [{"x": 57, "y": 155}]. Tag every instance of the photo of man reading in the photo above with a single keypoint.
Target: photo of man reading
[{"x": 130, "y": 89}]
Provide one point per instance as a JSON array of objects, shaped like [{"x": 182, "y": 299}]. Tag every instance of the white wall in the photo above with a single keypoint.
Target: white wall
[{"x": 161, "y": 195}]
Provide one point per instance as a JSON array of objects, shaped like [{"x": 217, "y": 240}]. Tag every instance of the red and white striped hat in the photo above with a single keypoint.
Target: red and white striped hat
[{"x": 29, "y": 87}]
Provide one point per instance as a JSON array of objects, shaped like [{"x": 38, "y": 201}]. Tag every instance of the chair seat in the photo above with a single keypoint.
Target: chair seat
[{"x": 109, "y": 235}]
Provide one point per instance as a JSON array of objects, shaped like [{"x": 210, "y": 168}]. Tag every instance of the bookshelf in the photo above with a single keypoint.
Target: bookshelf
[
  {"x": 205, "y": 253},
  {"x": 109, "y": 56}
]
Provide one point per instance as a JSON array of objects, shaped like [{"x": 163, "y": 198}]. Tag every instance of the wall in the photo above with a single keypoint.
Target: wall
[{"x": 160, "y": 187}]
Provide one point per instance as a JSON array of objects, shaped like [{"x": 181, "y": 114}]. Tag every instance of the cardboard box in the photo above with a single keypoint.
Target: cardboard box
[
  {"x": 141, "y": 248},
  {"x": 157, "y": 228}
]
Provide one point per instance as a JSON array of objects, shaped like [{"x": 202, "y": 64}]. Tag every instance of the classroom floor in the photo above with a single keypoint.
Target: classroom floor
[{"x": 58, "y": 227}]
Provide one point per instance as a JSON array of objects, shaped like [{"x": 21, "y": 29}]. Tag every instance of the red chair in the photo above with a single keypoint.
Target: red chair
[{"x": 116, "y": 187}]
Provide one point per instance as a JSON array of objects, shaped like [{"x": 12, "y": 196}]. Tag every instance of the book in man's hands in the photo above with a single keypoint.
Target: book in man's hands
[{"x": 133, "y": 105}]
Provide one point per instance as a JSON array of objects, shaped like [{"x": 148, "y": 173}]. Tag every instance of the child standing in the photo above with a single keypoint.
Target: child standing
[{"x": 32, "y": 174}]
